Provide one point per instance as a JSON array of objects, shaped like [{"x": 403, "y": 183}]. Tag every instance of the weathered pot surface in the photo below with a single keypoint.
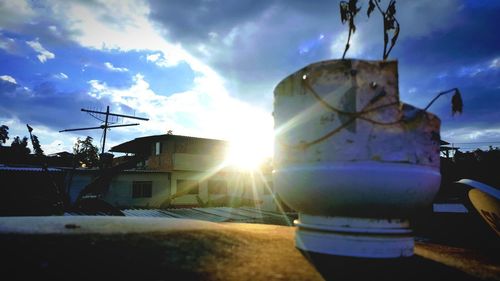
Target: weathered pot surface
[{"x": 345, "y": 146}]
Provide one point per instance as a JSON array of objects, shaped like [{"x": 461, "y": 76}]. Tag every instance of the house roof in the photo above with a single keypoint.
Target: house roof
[
  {"x": 139, "y": 145},
  {"x": 61, "y": 154},
  {"x": 444, "y": 148},
  {"x": 27, "y": 169},
  {"x": 442, "y": 142}
]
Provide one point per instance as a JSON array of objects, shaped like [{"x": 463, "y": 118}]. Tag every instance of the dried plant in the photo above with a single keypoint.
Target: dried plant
[
  {"x": 390, "y": 23},
  {"x": 456, "y": 101},
  {"x": 348, "y": 11}
]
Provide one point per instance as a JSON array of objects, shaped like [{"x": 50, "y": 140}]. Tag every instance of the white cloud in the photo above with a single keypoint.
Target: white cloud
[
  {"x": 153, "y": 57},
  {"x": 233, "y": 34},
  {"x": 355, "y": 45},
  {"x": 495, "y": 63},
  {"x": 111, "y": 67},
  {"x": 122, "y": 25},
  {"x": 472, "y": 137},
  {"x": 205, "y": 111},
  {"x": 213, "y": 35},
  {"x": 8, "y": 44},
  {"x": 61, "y": 76},
  {"x": 43, "y": 54},
  {"x": 8, "y": 79},
  {"x": 161, "y": 60}
]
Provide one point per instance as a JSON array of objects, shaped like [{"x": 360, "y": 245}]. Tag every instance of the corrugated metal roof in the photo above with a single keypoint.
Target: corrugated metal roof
[
  {"x": 196, "y": 214},
  {"x": 215, "y": 214},
  {"x": 223, "y": 213},
  {"x": 27, "y": 169}
]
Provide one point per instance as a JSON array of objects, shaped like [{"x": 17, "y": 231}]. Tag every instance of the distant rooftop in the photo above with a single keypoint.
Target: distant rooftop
[
  {"x": 139, "y": 144},
  {"x": 27, "y": 169}
]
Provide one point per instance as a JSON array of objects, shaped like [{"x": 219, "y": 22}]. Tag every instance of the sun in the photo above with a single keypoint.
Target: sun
[
  {"x": 250, "y": 135},
  {"x": 247, "y": 154}
]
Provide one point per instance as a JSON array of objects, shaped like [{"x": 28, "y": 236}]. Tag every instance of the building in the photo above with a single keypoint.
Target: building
[{"x": 181, "y": 171}]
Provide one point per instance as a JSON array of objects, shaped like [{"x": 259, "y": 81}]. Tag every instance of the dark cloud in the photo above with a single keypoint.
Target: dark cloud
[
  {"x": 45, "y": 105},
  {"x": 252, "y": 44},
  {"x": 191, "y": 21}
]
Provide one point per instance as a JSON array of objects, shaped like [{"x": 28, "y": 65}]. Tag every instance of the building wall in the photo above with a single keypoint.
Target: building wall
[
  {"x": 196, "y": 162},
  {"x": 77, "y": 181},
  {"x": 120, "y": 190},
  {"x": 241, "y": 187},
  {"x": 184, "y": 154}
]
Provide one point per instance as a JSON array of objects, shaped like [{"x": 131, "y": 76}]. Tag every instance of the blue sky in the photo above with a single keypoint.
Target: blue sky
[{"x": 208, "y": 68}]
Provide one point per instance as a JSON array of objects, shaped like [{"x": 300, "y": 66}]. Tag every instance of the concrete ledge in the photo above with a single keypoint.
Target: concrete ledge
[{"x": 121, "y": 248}]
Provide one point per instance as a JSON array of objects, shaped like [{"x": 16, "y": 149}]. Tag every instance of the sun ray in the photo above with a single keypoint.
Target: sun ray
[{"x": 278, "y": 205}]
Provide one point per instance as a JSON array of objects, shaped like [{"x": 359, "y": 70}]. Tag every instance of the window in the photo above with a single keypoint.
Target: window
[
  {"x": 142, "y": 189},
  {"x": 187, "y": 187},
  {"x": 157, "y": 148},
  {"x": 217, "y": 187}
]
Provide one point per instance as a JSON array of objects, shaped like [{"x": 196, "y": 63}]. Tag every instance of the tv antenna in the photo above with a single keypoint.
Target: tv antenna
[{"x": 106, "y": 124}]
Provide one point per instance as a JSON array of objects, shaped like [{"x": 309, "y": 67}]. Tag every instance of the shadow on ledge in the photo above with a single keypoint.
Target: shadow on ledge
[{"x": 412, "y": 268}]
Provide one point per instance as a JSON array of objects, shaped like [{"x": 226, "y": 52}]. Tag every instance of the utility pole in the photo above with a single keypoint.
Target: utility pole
[{"x": 106, "y": 125}]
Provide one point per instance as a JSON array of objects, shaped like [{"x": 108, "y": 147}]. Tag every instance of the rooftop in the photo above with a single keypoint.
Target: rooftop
[{"x": 139, "y": 144}]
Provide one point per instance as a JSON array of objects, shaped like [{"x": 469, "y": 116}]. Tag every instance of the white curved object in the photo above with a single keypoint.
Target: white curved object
[
  {"x": 357, "y": 188},
  {"x": 486, "y": 200},
  {"x": 352, "y": 159},
  {"x": 354, "y": 237},
  {"x": 481, "y": 186}
]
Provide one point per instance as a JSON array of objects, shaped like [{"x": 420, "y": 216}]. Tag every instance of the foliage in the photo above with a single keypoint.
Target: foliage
[
  {"x": 36, "y": 145},
  {"x": 348, "y": 11},
  {"x": 20, "y": 146},
  {"x": 4, "y": 134},
  {"x": 86, "y": 152}
]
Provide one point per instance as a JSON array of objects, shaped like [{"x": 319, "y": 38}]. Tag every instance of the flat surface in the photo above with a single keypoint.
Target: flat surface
[{"x": 120, "y": 248}]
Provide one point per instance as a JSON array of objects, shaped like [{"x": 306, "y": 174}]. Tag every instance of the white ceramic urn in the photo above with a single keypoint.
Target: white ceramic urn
[{"x": 352, "y": 159}]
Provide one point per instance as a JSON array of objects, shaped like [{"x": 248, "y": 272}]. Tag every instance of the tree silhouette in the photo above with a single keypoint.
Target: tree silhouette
[
  {"x": 4, "y": 134},
  {"x": 20, "y": 146},
  {"x": 36, "y": 146},
  {"x": 86, "y": 152}
]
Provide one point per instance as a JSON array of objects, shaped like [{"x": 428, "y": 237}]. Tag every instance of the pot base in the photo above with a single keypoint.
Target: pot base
[{"x": 354, "y": 237}]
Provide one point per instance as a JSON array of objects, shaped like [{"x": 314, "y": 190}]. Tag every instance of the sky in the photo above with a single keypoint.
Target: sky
[{"x": 208, "y": 68}]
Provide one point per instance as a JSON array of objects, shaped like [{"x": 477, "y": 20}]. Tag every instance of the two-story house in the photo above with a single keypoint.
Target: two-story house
[{"x": 183, "y": 171}]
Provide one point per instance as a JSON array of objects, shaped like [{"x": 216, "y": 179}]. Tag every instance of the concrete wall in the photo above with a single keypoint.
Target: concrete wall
[
  {"x": 195, "y": 162},
  {"x": 239, "y": 185},
  {"x": 120, "y": 191}
]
